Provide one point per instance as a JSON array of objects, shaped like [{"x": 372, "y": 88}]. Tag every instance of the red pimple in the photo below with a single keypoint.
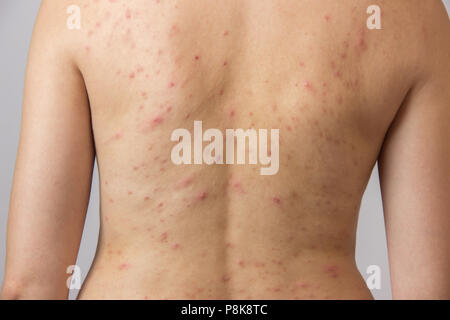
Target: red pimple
[
  {"x": 197, "y": 57},
  {"x": 327, "y": 18},
  {"x": 128, "y": 14},
  {"x": 225, "y": 33},
  {"x": 132, "y": 75},
  {"x": 307, "y": 85},
  {"x": 124, "y": 266},
  {"x": 157, "y": 120},
  {"x": 171, "y": 84},
  {"x": 202, "y": 195},
  {"x": 276, "y": 200},
  {"x": 176, "y": 246},
  {"x": 164, "y": 236}
]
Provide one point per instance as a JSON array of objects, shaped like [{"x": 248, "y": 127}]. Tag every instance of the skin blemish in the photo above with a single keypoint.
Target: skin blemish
[
  {"x": 184, "y": 183},
  {"x": 225, "y": 33},
  {"x": 160, "y": 205},
  {"x": 307, "y": 85},
  {"x": 302, "y": 285},
  {"x": 124, "y": 266},
  {"x": 164, "y": 237},
  {"x": 132, "y": 75},
  {"x": 231, "y": 113},
  {"x": 276, "y": 200},
  {"x": 237, "y": 186},
  {"x": 202, "y": 195},
  {"x": 128, "y": 14},
  {"x": 332, "y": 270},
  {"x": 197, "y": 57},
  {"x": 176, "y": 246},
  {"x": 241, "y": 263},
  {"x": 327, "y": 18},
  {"x": 225, "y": 63},
  {"x": 156, "y": 121},
  {"x": 146, "y": 198},
  {"x": 172, "y": 84},
  {"x": 226, "y": 278}
]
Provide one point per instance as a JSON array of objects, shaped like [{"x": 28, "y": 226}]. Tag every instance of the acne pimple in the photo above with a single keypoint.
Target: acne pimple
[
  {"x": 164, "y": 236},
  {"x": 327, "y": 18},
  {"x": 176, "y": 246},
  {"x": 124, "y": 266},
  {"x": 225, "y": 33},
  {"x": 276, "y": 200},
  {"x": 241, "y": 263},
  {"x": 132, "y": 75},
  {"x": 202, "y": 195},
  {"x": 307, "y": 85},
  {"x": 128, "y": 14},
  {"x": 172, "y": 84}
]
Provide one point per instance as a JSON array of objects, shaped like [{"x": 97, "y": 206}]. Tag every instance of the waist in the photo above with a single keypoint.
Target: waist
[{"x": 234, "y": 271}]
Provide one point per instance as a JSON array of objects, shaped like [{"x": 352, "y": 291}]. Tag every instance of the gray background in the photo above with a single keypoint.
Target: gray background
[{"x": 16, "y": 23}]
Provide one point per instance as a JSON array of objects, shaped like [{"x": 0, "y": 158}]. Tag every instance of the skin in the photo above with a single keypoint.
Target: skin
[{"x": 342, "y": 96}]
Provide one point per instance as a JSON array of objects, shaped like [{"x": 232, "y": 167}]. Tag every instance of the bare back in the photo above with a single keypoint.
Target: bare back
[{"x": 311, "y": 69}]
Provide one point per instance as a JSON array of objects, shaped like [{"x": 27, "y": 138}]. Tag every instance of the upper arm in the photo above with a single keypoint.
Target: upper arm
[
  {"x": 54, "y": 164},
  {"x": 415, "y": 174}
]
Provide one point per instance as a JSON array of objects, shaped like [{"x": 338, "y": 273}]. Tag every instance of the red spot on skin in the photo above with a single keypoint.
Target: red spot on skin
[
  {"x": 241, "y": 263},
  {"x": 302, "y": 64},
  {"x": 130, "y": 193},
  {"x": 128, "y": 14},
  {"x": 302, "y": 285},
  {"x": 339, "y": 99},
  {"x": 171, "y": 84},
  {"x": 225, "y": 63},
  {"x": 98, "y": 24},
  {"x": 221, "y": 92},
  {"x": 197, "y": 57},
  {"x": 232, "y": 113},
  {"x": 338, "y": 74},
  {"x": 307, "y": 85},
  {"x": 124, "y": 266},
  {"x": 226, "y": 278},
  {"x": 327, "y": 18},
  {"x": 169, "y": 108},
  {"x": 332, "y": 270},
  {"x": 250, "y": 114},
  {"x": 202, "y": 195},
  {"x": 157, "y": 121},
  {"x": 225, "y": 33},
  {"x": 147, "y": 198},
  {"x": 132, "y": 75},
  {"x": 276, "y": 200},
  {"x": 176, "y": 246},
  {"x": 160, "y": 205},
  {"x": 164, "y": 236},
  {"x": 184, "y": 183},
  {"x": 87, "y": 48},
  {"x": 237, "y": 186}
]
